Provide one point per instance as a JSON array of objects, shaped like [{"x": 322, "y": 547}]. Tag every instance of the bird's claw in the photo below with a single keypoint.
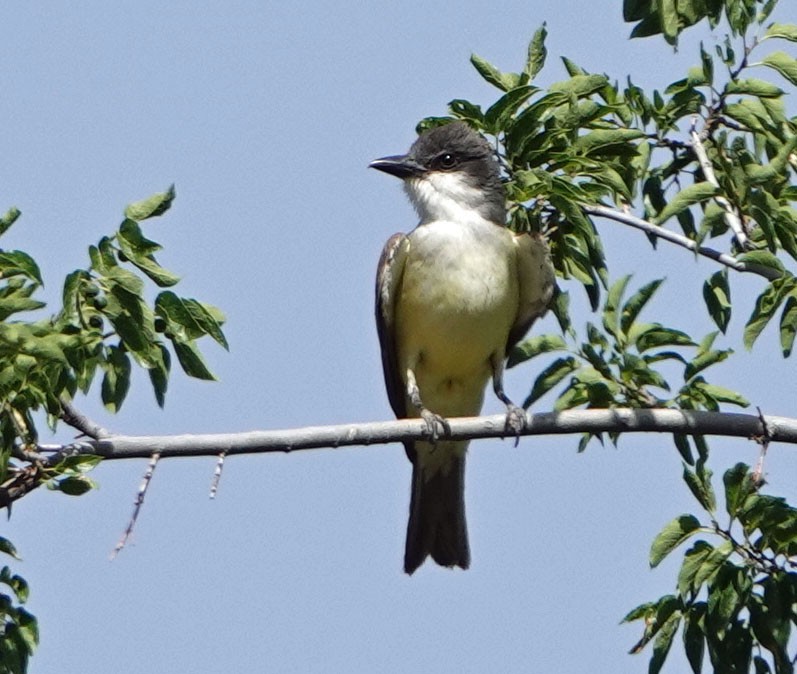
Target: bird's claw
[
  {"x": 516, "y": 421},
  {"x": 434, "y": 424}
]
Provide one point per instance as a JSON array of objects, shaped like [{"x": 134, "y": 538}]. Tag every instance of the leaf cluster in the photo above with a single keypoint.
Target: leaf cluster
[
  {"x": 105, "y": 326},
  {"x": 736, "y": 597},
  {"x": 19, "y": 631},
  {"x": 620, "y": 364},
  {"x": 713, "y": 152},
  {"x": 709, "y": 160},
  {"x": 670, "y": 18}
]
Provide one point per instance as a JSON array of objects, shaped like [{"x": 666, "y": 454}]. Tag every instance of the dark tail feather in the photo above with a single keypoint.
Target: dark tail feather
[{"x": 437, "y": 524}]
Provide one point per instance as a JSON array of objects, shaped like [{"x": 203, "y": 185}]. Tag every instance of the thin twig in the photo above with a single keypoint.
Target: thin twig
[
  {"x": 142, "y": 492},
  {"x": 680, "y": 240},
  {"x": 764, "y": 439},
  {"x": 214, "y": 484},
  {"x": 72, "y": 416},
  {"x": 731, "y": 217}
]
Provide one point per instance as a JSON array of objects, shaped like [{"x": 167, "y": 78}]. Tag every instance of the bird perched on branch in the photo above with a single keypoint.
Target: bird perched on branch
[{"x": 452, "y": 297}]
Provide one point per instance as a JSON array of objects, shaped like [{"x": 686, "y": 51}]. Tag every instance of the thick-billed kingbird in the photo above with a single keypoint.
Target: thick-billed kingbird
[{"x": 452, "y": 297}]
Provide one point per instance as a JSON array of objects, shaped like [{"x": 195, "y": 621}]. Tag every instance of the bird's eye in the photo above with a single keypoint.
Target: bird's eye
[{"x": 447, "y": 161}]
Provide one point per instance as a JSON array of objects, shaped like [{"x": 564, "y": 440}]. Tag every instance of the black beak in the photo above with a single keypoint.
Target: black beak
[{"x": 401, "y": 166}]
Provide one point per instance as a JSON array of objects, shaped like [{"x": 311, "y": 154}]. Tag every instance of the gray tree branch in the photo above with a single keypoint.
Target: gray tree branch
[
  {"x": 681, "y": 240},
  {"x": 620, "y": 420}
]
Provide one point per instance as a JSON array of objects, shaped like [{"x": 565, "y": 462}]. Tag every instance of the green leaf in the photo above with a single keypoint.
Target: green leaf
[
  {"x": 498, "y": 114},
  {"x": 786, "y": 31},
  {"x": 693, "y": 560},
  {"x": 550, "y": 377},
  {"x": 466, "y": 110},
  {"x": 762, "y": 258},
  {"x": 75, "y": 485},
  {"x": 116, "y": 382},
  {"x": 699, "y": 483},
  {"x": 139, "y": 251},
  {"x": 747, "y": 113},
  {"x": 717, "y": 296},
  {"x": 27, "y": 629},
  {"x": 722, "y": 394},
  {"x": 535, "y": 346},
  {"x": 682, "y": 445},
  {"x": 159, "y": 374},
  {"x": 189, "y": 319},
  {"x": 689, "y": 196},
  {"x": 694, "y": 639},
  {"x": 671, "y": 536},
  {"x": 663, "y": 642},
  {"x": 602, "y": 139},
  {"x": 657, "y": 335},
  {"x": 580, "y": 86},
  {"x": 636, "y": 303},
  {"x": 726, "y": 599},
  {"x": 668, "y": 16},
  {"x": 537, "y": 53},
  {"x": 766, "y": 305},
  {"x": 503, "y": 81},
  {"x": 122, "y": 278},
  {"x": 705, "y": 359},
  {"x": 13, "y": 262},
  {"x": 611, "y": 319},
  {"x": 7, "y": 547},
  {"x": 8, "y": 219},
  {"x": 155, "y": 205},
  {"x": 136, "y": 243},
  {"x": 701, "y": 563},
  {"x": 753, "y": 87},
  {"x": 133, "y": 322},
  {"x": 641, "y": 612},
  {"x": 79, "y": 462},
  {"x": 707, "y": 65},
  {"x": 784, "y": 64},
  {"x": 648, "y": 26},
  {"x": 635, "y": 10},
  {"x": 15, "y": 304},
  {"x": 191, "y": 360},
  {"x": 788, "y": 325},
  {"x": 560, "y": 308},
  {"x": 656, "y": 615},
  {"x": 738, "y": 486}
]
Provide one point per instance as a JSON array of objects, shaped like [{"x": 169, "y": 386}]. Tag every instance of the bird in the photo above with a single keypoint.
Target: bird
[{"x": 452, "y": 298}]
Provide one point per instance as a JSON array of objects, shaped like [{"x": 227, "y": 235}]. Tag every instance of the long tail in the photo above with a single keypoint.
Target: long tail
[{"x": 437, "y": 525}]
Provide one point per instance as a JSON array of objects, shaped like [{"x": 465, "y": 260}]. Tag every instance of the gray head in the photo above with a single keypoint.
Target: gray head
[{"x": 450, "y": 173}]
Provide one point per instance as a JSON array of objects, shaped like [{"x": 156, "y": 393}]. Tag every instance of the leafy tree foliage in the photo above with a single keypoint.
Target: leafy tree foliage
[
  {"x": 708, "y": 160},
  {"x": 105, "y": 326},
  {"x": 707, "y": 164}
]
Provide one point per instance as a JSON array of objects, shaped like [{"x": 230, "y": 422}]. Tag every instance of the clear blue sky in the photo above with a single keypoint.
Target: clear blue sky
[{"x": 265, "y": 115}]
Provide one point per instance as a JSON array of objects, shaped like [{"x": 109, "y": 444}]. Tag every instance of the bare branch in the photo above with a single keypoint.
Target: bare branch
[
  {"x": 142, "y": 493},
  {"x": 731, "y": 217},
  {"x": 680, "y": 240},
  {"x": 72, "y": 416},
  {"x": 619, "y": 420}
]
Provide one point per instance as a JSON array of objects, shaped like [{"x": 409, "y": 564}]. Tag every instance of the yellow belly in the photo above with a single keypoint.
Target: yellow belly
[{"x": 457, "y": 303}]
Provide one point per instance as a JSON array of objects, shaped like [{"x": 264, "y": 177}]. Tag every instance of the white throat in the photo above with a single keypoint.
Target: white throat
[{"x": 447, "y": 196}]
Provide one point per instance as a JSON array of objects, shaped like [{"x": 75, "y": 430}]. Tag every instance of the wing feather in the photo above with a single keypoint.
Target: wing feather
[
  {"x": 536, "y": 280},
  {"x": 388, "y": 285}
]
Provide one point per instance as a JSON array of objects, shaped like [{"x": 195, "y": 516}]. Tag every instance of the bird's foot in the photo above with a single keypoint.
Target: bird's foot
[
  {"x": 435, "y": 425},
  {"x": 516, "y": 421}
]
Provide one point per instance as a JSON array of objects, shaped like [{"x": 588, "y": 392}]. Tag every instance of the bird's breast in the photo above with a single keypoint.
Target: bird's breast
[{"x": 458, "y": 298}]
